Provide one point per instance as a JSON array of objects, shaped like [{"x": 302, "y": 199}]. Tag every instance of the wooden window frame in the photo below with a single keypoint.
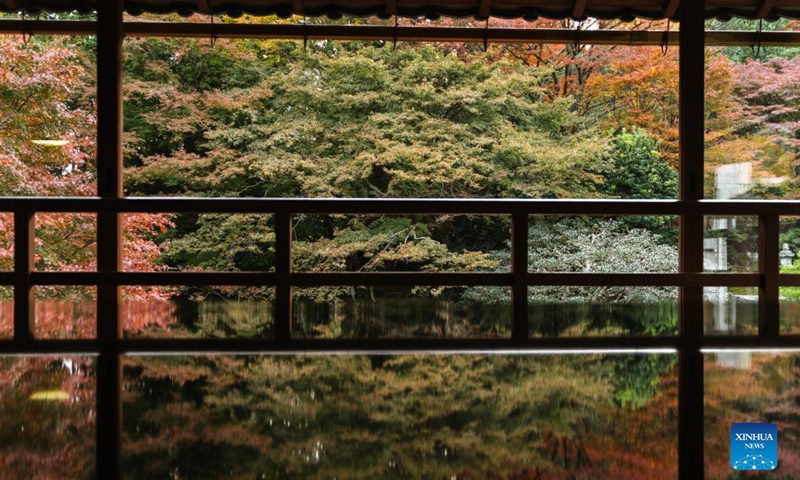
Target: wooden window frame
[{"x": 109, "y": 346}]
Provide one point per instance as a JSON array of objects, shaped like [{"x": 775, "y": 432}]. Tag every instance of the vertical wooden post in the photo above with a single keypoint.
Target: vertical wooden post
[
  {"x": 109, "y": 186},
  {"x": 23, "y": 289},
  {"x": 519, "y": 270},
  {"x": 283, "y": 271},
  {"x": 692, "y": 126},
  {"x": 769, "y": 267}
]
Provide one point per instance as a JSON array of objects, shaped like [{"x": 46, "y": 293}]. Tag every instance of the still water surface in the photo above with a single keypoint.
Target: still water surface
[{"x": 462, "y": 416}]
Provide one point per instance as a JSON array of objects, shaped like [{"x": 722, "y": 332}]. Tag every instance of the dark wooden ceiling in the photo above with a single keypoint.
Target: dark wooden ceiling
[{"x": 528, "y": 9}]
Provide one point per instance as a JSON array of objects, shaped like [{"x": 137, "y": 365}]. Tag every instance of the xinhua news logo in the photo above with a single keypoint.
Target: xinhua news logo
[{"x": 754, "y": 446}]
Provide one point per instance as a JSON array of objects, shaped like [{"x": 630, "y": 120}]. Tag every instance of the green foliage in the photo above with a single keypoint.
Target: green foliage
[
  {"x": 637, "y": 169},
  {"x": 361, "y": 122},
  {"x": 792, "y": 293},
  {"x": 385, "y": 243},
  {"x": 243, "y": 242},
  {"x": 373, "y": 122}
]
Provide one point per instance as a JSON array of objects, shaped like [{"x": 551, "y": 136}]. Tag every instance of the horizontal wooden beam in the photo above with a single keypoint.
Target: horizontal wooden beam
[
  {"x": 746, "y": 342},
  {"x": 48, "y": 27},
  {"x": 789, "y": 280},
  {"x": 645, "y": 279},
  {"x": 383, "y": 346},
  {"x": 503, "y": 345},
  {"x": 400, "y": 206},
  {"x": 395, "y": 346},
  {"x": 402, "y": 34},
  {"x": 387, "y": 279},
  {"x": 375, "y": 206},
  {"x": 154, "y": 278}
]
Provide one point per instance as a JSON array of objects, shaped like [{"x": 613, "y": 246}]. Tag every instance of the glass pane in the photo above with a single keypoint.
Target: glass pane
[
  {"x": 746, "y": 24},
  {"x": 48, "y": 106},
  {"x": 266, "y": 118},
  {"x": 6, "y": 264},
  {"x": 602, "y": 311},
  {"x": 188, "y": 17},
  {"x": 205, "y": 242},
  {"x": 6, "y": 241},
  {"x": 47, "y": 417},
  {"x": 60, "y": 16},
  {"x": 751, "y": 117},
  {"x": 789, "y": 244},
  {"x": 64, "y": 312},
  {"x": 751, "y": 387},
  {"x": 404, "y": 312},
  {"x": 730, "y": 244},
  {"x": 66, "y": 242},
  {"x": 602, "y": 244},
  {"x": 790, "y": 310},
  {"x": 6, "y": 311},
  {"x": 369, "y": 243},
  {"x": 401, "y": 417},
  {"x": 198, "y": 312},
  {"x": 789, "y": 264},
  {"x": 730, "y": 310}
]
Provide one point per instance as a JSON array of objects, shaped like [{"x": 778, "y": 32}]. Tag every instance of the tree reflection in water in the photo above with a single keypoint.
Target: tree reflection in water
[
  {"x": 408, "y": 416},
  {"x": 752, "y": 387},
  {"x": 47, "y": 418}
]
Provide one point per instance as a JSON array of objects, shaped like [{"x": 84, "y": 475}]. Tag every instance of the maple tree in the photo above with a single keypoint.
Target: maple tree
[
  {"x": 48, "y": 148},
  {"x": 756, "y": 122}
]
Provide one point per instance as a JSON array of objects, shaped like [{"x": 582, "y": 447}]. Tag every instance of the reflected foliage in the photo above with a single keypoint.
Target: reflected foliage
[
  {"x": 392, "y": 417},
  {"x": 47, "y": 418},
  {"x": 752, "y": 387}
]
